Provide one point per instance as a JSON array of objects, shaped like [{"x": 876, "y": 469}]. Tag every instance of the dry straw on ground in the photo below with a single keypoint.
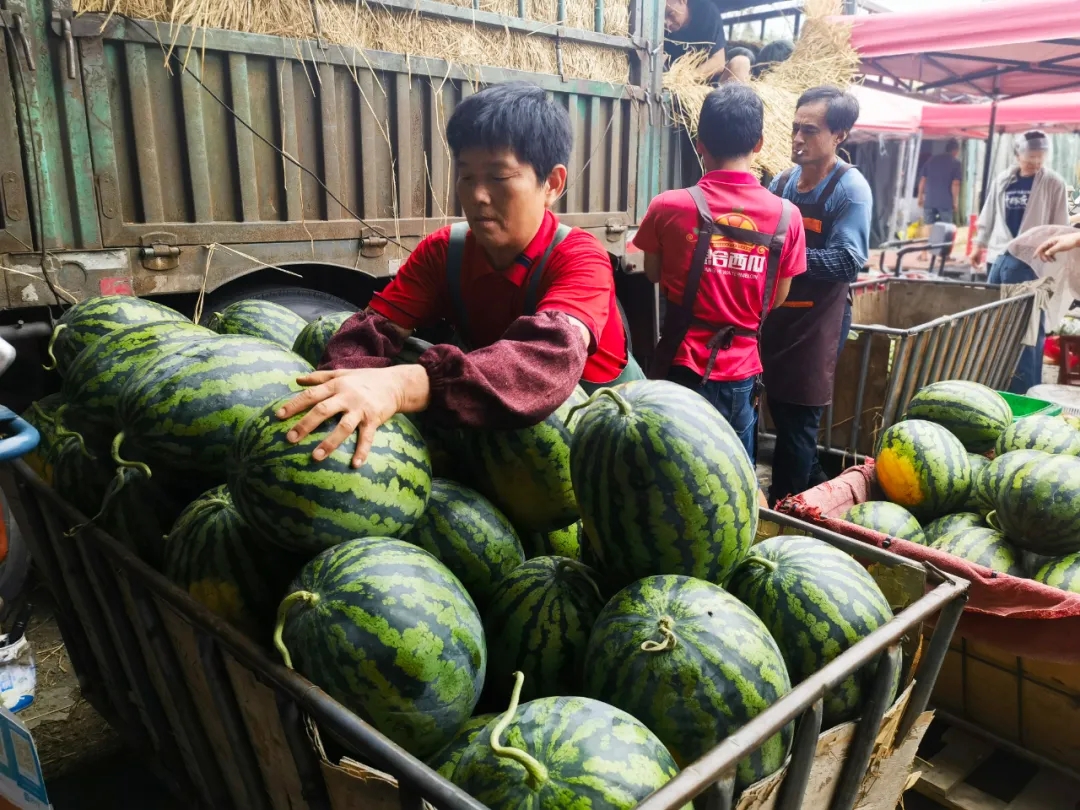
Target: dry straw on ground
[{"x": 823, "y": 55}]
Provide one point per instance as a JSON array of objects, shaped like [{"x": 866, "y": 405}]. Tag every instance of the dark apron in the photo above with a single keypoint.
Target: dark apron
[
  {"x": 454, "y": 260},
  {"x": 679, "y": 317},
  {"x": 798, "y": 343}
]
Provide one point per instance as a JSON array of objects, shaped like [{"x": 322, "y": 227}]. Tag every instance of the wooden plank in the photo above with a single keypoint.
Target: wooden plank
[
  {"x": 962, "y": 754},
  {"x": 965, "y": 797},
  {"x": 404, "y": 125},
  {"x": 615, "y": 158},
  {"x": 370, "y": 138},
  {"x": 289, "y": 141},
  {"x": 331, "y": 153},
  {"x": 439, "y": 179},
  {"x": 198, "y": 162},
  {"x": 1048, "y": 790},
  {"x": 595, "y": 156},
  {"x": 143, "y": 125},
  {"x": 245, "y": 141}
]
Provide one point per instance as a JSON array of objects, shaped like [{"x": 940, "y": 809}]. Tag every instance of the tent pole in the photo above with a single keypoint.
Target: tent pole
[{"x": 988, "y": 160}]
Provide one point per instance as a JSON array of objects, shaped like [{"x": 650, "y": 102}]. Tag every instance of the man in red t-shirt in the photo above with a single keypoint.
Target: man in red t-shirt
[
  {"x": 531, "y": 301},
  {"x": 724, "y": 253}
]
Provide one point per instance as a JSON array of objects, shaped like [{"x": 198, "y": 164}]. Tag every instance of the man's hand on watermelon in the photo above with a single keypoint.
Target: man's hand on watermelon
[{"x": 365, "y": 398}]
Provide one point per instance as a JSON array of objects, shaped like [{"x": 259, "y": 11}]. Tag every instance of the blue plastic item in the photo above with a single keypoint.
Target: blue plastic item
[{"x": 19, "y": 436}]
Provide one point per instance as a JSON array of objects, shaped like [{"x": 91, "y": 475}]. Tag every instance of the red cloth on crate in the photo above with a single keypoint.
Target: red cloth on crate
[{"x": 1020, "y": 616}]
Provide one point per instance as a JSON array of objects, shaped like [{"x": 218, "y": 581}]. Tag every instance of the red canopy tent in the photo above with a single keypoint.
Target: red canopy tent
[
  {"x": 1050, "y": 112},
  {"x": 882, "y": 113}
]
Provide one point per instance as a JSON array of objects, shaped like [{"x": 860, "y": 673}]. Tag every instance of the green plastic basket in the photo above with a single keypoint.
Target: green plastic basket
[{"x": 1029, "y": 406}]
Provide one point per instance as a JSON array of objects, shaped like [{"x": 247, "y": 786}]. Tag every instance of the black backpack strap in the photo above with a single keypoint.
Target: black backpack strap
[
  {"x": 533, "y": 288},
  {"x": 455, "y": 256},
  {"x": 782, "y": 183},
  {"x": 833, "y": 182},
  {"x": 776, "y": 251},
  {"x": 706, "y": 228}
]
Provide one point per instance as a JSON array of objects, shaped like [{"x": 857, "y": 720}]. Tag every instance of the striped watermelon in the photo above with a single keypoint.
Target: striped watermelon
[
  {"x": 85, "y": 322},
  {"x": 539, "y": 622},
  {"x": 138, "y": 511},
  {"x": 992, "y": 478},
  {"x": 566, "y": 542},
  {"x": 982, "y": 546},
  {"x": 949, "y": 523},
  {"x": 81, "y": 474},
  {"x": 692, "y": 663},
  {"x": 924, "y": 468},
  {"x": 973, "y": 413},
  {"x": 887, "y": 518},
  {"x": 447, "y": 759},
  {"x": 385, "y": 629},
  {"x": 93, "y": 382},
  {"x": 259, "y": 319},
  {"x": 42, "y": 415},
  {"x": 663, "y": 483},
  {"x": 307, "y": 506},
  {"x": 1061, "y": 572},
  {"x": 214, "y": 556},
  {"x": 979, "y": 464},
  {"x": 182, "y": 411},
  {"x": 816, "y": 602},
  {"x": 313, "y": 339},
  {"x": 563, "y": 752},
  {"x": 526, "y": 473},
  {"x": 1047, "y": 433},
  {"x": 470, "y": 537},
  {"x": 1038, "y": 506}
]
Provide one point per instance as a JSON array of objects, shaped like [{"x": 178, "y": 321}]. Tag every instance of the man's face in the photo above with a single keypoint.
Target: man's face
[
  {"x": 676, "y": 15},
  {"x": 1031, "y": 161},
  {"x": 811, "y": 139},
  {"x": 502, "y": 198}
]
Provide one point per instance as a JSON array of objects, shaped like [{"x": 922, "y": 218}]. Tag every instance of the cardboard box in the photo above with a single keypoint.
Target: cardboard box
[{"x": 22, "y": 787}]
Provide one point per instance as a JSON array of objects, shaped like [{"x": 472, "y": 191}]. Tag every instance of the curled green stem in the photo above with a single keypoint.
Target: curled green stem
[
  {"x": 63, "y": 433},
  {"x": 52, "y": 364},
  {"x": 122, "y": 462},
  {"x": 308, "y": 598},
  {"x": 992, "y": 521},
  {"x": 582, "y": 570},
  {"x": 666, "y": 626},
  {"x": 538, "y": 773},
  {"x": 764, "y": 562},
  {"x": 624, "y": 407}
]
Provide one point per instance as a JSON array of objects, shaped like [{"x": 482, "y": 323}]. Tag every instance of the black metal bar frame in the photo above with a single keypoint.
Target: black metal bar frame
[{"x": 711, "y": 777}]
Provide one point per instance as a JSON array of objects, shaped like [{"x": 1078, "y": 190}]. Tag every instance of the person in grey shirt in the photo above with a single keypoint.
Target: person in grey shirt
[{"x": 939, "y": 185}]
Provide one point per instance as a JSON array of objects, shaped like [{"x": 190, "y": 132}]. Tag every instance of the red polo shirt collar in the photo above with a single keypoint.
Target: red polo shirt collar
[
  {"x": 518, "y": 272},
  {"x": 731, "y": 178}
]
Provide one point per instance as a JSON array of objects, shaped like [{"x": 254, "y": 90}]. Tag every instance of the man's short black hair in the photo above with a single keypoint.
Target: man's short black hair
[
  {"x": 843, "y": 108},
  {"x": 952, "y": 145},
  {"x": 517, "y": 116},
  {"x": 740, "y": 51},
  {"x": 732, "y": 121},
  {"x": 778, "y": 51}
]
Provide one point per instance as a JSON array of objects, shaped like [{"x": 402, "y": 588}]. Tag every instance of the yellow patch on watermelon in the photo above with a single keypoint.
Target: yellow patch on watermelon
[
  {"x": 223, "y": 598},
  {"x": 898, "y": 478}
]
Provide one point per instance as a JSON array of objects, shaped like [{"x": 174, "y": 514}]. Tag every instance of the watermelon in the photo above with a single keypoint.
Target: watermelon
[
  {"x": 973, "y": 413},
  {"x": 944, "y": 525},
  {"x": 138, "y": 511},
  {"x": 260, "y": 319},
  {"x": 693, "y": 663},
  {"x": 982, "y": 546},
  {"x": 42, "y": 415},
  {"x": 526, "y": 472},
  {"x": 1047, "y": 433},
  {"x": 94, "y": 381},
  {"x": 887, "y": 518},
  {"x": 924, "y": 468},
  {"x": 816, "y": 602},
  {"x": 992, "y": 478},
  {"x": 82, "y": 324},
  {"x": 1033, "y": 563},
  {"x": 470, "y": 537},
  {"x": 313, "y": 339},
  {"x": 1061, "y": 572},
  {"x": 539, "y": 622},
  {"x": 305, "y": 505},
  {"x": 978, "y": 465},
  {"x": 1070, "y": 420},
  {"x": 663, "y": 483},
  {"x": 81, "y": 474},
  {"x": 447, "y": 759},
  {"x": 214, "y": 556},
  {"x": 386, "y": 630},
  {"x": 183, "y": 410},
  {"x": 563, "y": 752},
  {"x": 1038, "y": 506},
  {"x": 566, "y": 542}
]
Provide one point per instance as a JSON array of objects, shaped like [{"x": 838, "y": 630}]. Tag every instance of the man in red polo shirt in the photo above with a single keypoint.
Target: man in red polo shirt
[
  {"x": 724, "y": 253},
  {"x": 531, "y": 301}
]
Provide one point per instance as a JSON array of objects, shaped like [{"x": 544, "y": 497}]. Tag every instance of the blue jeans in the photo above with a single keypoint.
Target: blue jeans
[
  {"x": 1010, "y": 270},
  {"x": 795, "y": 457},
  {"x": 734, "y": 400}
]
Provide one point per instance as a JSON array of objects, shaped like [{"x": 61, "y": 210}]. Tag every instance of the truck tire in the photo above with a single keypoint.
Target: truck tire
[{"x": 307, "y": 303}]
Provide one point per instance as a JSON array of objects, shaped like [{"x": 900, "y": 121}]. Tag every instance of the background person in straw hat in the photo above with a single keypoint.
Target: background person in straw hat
[{"x": 531, "y": 301}]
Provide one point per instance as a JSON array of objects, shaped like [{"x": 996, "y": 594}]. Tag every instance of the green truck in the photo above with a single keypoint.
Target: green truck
[{"x": 262, "y": 166}]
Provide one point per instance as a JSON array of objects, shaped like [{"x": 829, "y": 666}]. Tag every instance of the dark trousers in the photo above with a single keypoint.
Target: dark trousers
[
  {"x": 817, "y": 474},
  {"x": 734, "y": 400},
  {"x": 795, "y": 456},
  {"x": 1010, "y": 270}
]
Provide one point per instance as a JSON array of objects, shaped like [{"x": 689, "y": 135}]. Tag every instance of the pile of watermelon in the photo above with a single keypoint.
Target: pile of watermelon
[
  {"x": 961, "y": 475},
  {"x": 564, "y": 616}
]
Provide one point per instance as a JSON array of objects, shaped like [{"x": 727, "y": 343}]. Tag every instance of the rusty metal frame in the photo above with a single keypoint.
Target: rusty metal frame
[{"x": 96, "y": 564}]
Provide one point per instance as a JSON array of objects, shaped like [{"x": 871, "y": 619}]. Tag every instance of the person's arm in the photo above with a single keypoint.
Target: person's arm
[
  {"x": 783, "y": 289},
  {"x": 955, "y": 196},
  {"x": 922, "y": 191},
  {"x": 1058, "y": 244},
  {"x": 985, "y": 226},
  {"x": 713, "y": 66},
  {"x": 848, "y": 246},
  {"x": 653, "y": 263},
  {"x": 709, "y": 26}
]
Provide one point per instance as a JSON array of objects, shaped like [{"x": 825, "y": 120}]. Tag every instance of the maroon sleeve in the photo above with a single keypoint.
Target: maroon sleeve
[
  {"x": 366, "y": 340},
  {"x": 516, "y": 382}
]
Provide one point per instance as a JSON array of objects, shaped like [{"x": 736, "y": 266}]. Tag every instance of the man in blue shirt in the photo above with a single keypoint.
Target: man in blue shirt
[
  {"x": 802, "y": 339},
  {"x": 939, "y": 185}
]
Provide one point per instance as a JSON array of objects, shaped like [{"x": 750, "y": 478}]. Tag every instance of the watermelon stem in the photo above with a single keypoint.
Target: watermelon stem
[
  {"x": 308, "y": 597},
  {"x": 64, "y": 433},
  {"x": 754, "y": 559},
  {"x": 584, "y": 570},
  {"x": 538, "y": 773},
  {"x": 991, "y": 520},
  {"x": 52, "y": 364},
  {"x": 624, "y": 406},
  {"x": 666, "y": 626},
  {"x": 121, "y": 462}
]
